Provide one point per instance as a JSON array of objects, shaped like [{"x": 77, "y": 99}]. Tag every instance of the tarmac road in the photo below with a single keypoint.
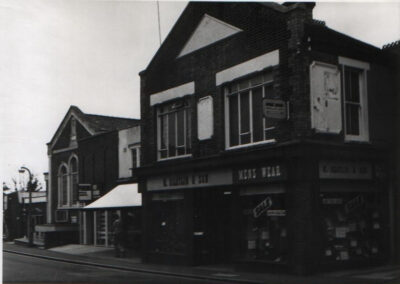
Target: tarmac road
[{"x": 25, "y": 269}]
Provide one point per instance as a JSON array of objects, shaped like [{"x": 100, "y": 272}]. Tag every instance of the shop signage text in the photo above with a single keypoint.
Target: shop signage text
[
  {"x": 262, "y": 207},
  {"x": 258, "y": 174},
  {"x": 274, "y": 108},
  {"x": 190, "y": 180},
  {"x": 354, "y": 203},
  {"x": 345, "y": 170},
  {"x": 85, "y": 195}
]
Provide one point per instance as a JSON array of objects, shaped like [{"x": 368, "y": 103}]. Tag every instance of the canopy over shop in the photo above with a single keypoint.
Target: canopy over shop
[{"x": 98, "y": 217}]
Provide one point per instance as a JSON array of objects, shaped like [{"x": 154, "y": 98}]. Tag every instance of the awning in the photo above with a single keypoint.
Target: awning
[{"x": 123, "y": 195}]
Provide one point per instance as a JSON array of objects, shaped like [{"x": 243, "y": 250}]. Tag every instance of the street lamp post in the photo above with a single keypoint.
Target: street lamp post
[{"x": 29, "y": 187}]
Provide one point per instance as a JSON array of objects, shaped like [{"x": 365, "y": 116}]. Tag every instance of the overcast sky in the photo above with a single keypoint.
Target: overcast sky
[{"x": 57, "y": 53}]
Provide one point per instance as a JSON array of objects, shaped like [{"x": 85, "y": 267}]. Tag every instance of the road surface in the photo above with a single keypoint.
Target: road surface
[{"x": 25, "y": 269}]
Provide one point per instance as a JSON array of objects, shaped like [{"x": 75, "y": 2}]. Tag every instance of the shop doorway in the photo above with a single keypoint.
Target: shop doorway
[
  {"x": 212, "y": 225},
  {"x": 223, "y": 227}
]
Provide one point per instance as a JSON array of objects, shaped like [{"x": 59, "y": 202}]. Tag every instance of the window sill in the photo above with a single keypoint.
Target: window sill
[
  {"x": 270, "y": 141},
  {"x": 174, "y": 158},
  {"x": 356, "y": 139}
]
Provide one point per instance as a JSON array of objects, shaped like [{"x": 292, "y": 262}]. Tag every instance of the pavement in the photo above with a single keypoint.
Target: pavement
[{"x": 104, "y": 257}]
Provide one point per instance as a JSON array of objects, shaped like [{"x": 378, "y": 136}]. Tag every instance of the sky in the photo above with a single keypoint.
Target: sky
[{"x": 57, "y": 53}]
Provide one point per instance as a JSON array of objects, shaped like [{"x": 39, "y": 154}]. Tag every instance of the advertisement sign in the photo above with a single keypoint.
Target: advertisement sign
[
  {"x": 274, "y": 108},
  {"x": 262, "y": 207}
]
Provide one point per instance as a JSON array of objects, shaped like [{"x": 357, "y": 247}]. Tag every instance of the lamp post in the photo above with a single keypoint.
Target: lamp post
[{"x": 29, "y": 187}]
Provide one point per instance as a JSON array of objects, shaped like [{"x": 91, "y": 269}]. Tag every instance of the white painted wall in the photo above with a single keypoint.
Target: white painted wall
[
  {"x": 126, "y": 137},
  {"x": 253, "y": 65},
  {"x": 173, "y": 93},
  {"x": 207, "y": 32}
]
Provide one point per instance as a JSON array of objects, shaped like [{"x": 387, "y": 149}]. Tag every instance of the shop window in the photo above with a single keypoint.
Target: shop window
[
  {"x": 353, "y": 226},
  {"x": 264, "y": 236},
  {"x": 354, "y": 77},
  {"x": 174, "y": 129},
  {"x": 245, "y": 124}
]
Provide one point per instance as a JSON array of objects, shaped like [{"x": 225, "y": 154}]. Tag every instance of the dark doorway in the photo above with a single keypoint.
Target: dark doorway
[{"x": 212, "y": 235}]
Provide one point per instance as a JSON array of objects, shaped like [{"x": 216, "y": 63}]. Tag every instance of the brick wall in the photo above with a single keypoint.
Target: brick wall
[
  {"x": 264, "y": 30},
  {"x": 98, "y": 161}
]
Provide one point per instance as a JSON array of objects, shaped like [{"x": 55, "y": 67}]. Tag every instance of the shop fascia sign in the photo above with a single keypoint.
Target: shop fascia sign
[
  {"x": 257, "y": 174},
  {"x": 190, "y": 180},
  {"x": 88, "y": 192},
  {"x": 345, "y": 170}
]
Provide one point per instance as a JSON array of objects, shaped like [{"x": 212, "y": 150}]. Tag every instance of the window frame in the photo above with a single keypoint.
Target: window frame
[
  {"x": 363, "y": 123},
  {"x": 61, "y": 176},
  {"x": 135, "y": 147},
  {"x": 69, "y": 178},
  {"x": 227, "y": 95},
  {"x": 71, "y": 182},
  {"x": 187, "y": 128}
]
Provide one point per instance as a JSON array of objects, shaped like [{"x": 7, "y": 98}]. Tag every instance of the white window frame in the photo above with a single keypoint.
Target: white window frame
[
  {"x": 135, "y": 147},
  {"x": 227, "y": 118},
  {"x": 61, "y": 188},
  {"x": 70, "y": 183},
  {"x": 363, "y": 113},
  {"x": 176, "y": 134}
]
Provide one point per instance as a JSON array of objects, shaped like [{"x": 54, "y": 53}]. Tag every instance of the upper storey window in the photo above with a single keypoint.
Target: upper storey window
[
  {"x": 174, "y": 129},
  {"x": 354, "y": 76},
  {"x": 245, "y": 123},
  {"x": 68, "y": 195}
]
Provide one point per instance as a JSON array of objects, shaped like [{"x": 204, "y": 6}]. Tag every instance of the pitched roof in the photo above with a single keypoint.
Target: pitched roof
[
  {"x": 324, "y": 35},
  {"x": 102, "y": 123},
  {"x": 95, "y": 124}
]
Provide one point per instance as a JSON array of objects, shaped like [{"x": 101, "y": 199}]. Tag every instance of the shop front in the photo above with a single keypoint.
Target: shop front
[
  {"x": 218, "y": 216},
  {"x": 302, "y": 215},
  {"x": 98, "y": 217},
  {"x": 354, "y": 213}
]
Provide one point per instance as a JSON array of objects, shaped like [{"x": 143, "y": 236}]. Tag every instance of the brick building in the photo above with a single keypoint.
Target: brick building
[
  {"x": 83, "y": 152},
  {"x": 266, "y": 141},
  {"x": 108, "y": 187}
]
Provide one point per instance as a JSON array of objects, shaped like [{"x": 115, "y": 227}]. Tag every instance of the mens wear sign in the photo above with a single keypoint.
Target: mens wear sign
[
  {"x": 190, "y": 180},
  {"x": 345, "y": 170},
  {"x": 259, "y": 174}
]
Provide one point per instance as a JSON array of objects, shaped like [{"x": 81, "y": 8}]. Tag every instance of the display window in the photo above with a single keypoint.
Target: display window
[
  {"x": 264, "y": 221},
  {"x": 353, "y": 227}
]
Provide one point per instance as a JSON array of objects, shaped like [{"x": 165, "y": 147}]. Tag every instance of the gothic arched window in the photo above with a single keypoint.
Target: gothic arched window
[
  {"x": 73, "y": 165},
  {"x": 63, "y": 186}
]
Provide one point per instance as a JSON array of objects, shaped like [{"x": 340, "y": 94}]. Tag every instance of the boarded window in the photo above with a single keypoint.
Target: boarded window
[{"x": 326, "y": 115}]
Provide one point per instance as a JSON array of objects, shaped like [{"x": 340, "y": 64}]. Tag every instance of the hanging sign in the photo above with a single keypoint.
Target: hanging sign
[
  {"x": 85, "y": 192},
  {"x": 274, "y": 108},
  {"x": 262, "y": 207}
]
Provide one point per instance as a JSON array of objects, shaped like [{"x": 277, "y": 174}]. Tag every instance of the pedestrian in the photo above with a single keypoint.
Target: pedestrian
[{"x": 119, "y": 237}]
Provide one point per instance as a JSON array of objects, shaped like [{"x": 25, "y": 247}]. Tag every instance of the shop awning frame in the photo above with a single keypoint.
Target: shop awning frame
[{"x": 123, "y": 195}]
